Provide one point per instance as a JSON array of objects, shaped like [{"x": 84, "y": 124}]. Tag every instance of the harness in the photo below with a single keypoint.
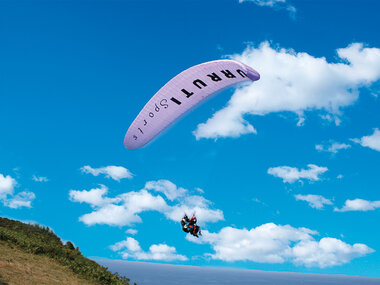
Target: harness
[{"x": 189, "y": 225}]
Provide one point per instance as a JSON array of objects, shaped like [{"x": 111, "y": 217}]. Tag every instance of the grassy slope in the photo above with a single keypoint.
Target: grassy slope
[
  {"x": 34, "y": 254},
  {"x": 17, "y": 266}
]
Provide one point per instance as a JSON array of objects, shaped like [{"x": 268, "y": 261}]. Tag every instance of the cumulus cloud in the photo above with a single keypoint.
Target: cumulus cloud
[
  {"x": 22, "y": 199},
  {"x": 7, "y": 184},
  {"x": 315, "y": 201},
  {"x": 371, "y": 141},
  {"x": 115, "y": 172},
  {"x": 292, "y": 174},
  {"x": 125, "y": 209},
  {"x": 130, "y": 244},
  {"x": 332, "y": 147},
  {"x": 195, "y": 204},
  {"x": 271, "y": 243},
  {"x": 40, "y": 178},
  {"x": 170, "y": 190},
  {"x": 294, "y": 82},
  {"x": 276, "y": 4},
  {"x": 327, "y": 252},
  {"x": 130, "y": 248},
  {"x": 359, "y": 205},
  {"x": 94, "y": 197},
  {"x": 8, "y": 196}
]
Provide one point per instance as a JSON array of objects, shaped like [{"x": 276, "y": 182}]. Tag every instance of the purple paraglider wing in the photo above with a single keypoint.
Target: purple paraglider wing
[{"x": 183, "y": 92}]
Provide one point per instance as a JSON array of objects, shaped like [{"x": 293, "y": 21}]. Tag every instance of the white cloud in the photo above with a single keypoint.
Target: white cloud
[
  {"x": 315, "y": 201},
  {"x": 195, "y": 204},
  {"x": 319, "y": 147},
  {"x": 111, "y": 214},
  {"x": 7, "y": 184},
  {"x": 331, "y": 119},
  {"x": 372, "y": 141},
  {"x": 271, "y": 243},
  {"x": 40, "y": 178},
  {"x": 130, "y": 248},
  {"x": 94, "y": 197},
  {"x": 130, "y": 244},
  {"x": 200, "y": 190},
  {"x": 131, "y": 231},
  {"x": 22, "y": 199},
  {"x": 292, "y": 174},
  {"x": 124, "y": 209},
  {"x": 294, "y": 82},
  {"x": 9, "y": 198},
  {"x": 115, "y": 172},
  {"x": 332, "y": 147},
  {"x": 327, "y": 252},
  {"x": 168, "y": 188},
  {"x": 276, "y": 4},
  {"x": 359, "y": 205}
]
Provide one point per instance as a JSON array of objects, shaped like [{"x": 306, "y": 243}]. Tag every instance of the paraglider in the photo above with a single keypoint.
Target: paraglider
[
  {"x": 183, "y": 92},
  {"x": 190, "y": 226}
]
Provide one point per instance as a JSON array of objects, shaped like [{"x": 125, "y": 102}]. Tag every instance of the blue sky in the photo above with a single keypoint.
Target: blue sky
[{"x": 283, "y": 173}]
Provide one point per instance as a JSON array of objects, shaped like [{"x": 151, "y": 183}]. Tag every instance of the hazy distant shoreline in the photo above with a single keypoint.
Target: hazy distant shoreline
[{"x": 145, "y": 273}]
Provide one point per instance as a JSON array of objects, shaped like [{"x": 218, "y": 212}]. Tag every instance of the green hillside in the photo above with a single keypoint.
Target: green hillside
[{"x": 31, "y": 254}]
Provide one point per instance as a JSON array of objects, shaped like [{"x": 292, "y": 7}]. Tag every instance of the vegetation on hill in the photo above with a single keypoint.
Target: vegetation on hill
[
  {"x": 41, "y": 241},
  {"x": 19, "y": 268}
]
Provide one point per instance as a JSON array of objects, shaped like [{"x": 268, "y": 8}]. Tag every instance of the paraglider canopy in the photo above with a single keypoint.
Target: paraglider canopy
[{"x": 183, "y": 92}]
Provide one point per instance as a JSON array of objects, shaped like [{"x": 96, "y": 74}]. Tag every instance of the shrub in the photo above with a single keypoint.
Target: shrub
[{"x": 69, "y": 245}]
